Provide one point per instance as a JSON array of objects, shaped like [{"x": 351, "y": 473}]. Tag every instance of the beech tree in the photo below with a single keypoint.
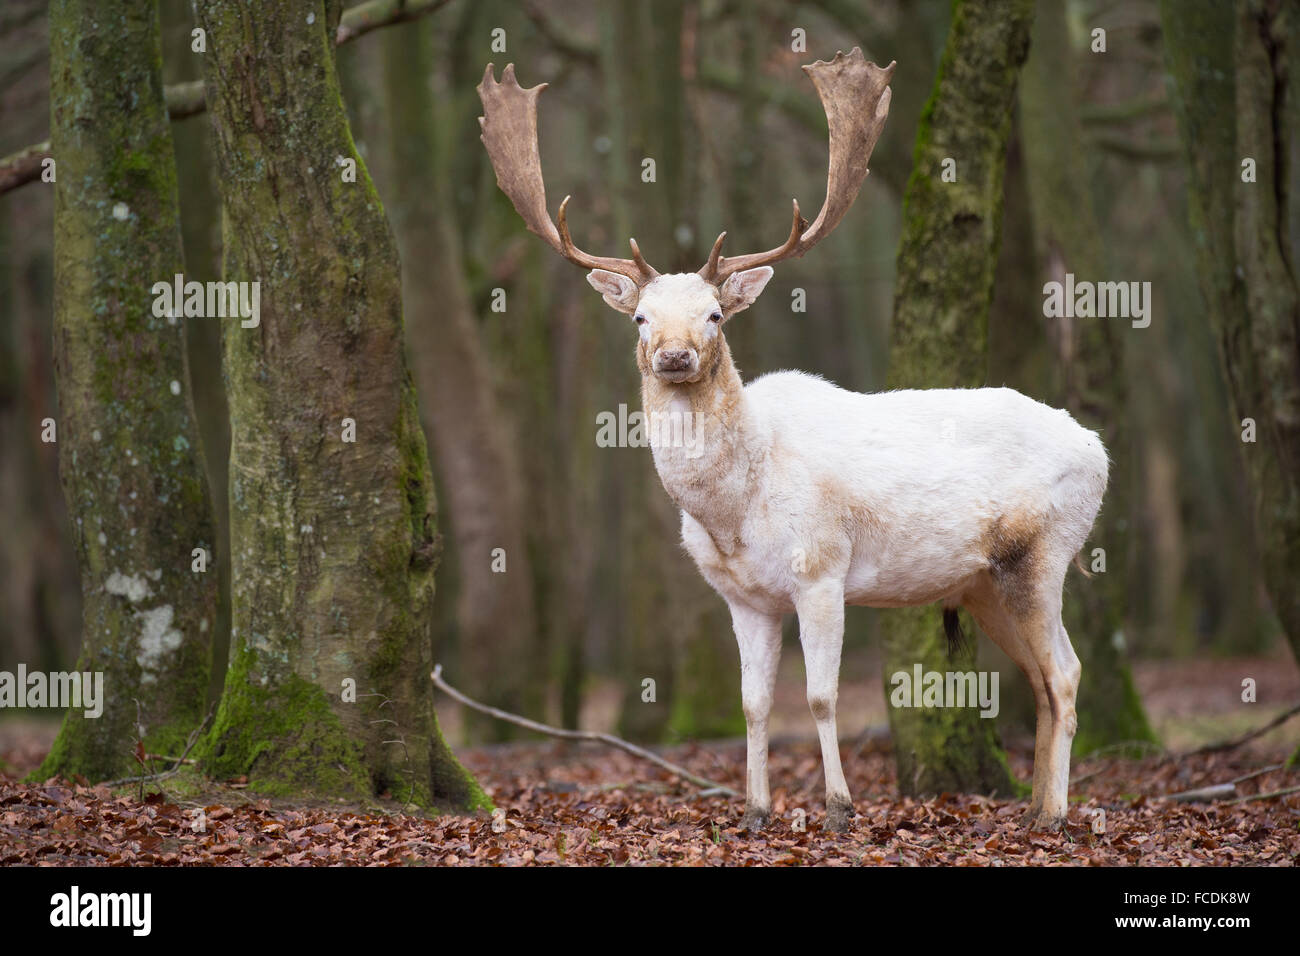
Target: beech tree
[
  {"x": 944, "y": 287},
  {"x": 471, "y": 438},
  {"x": 129, "y": 451},
  {"x": 1238, "y": 127},
  {"x": 1067, "y": 236},
  {"x": 332, "y": 508}
]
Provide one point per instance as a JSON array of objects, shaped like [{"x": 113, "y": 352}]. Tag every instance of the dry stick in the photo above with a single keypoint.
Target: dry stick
[
  {"x": 608, "y": 739},
  {"x": 189, "y": 745},
  {"x": 1245, "y": 738},
  {"x": 187, "y": 99},
  {"x": 1257, "y": 773},
  {"x": 1204, "y": 794},
  {"x": 1229, "y": 789},
  {"x": 1267, "y": 796}
]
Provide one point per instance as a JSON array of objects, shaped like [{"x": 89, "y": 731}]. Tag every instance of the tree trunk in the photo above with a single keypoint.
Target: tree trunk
[
  {"x": 946, "y": 264},
  {"x": 640, "y": 513},
  {"x": 335, "y": 530},
  {"x": 471, "y": 437},
  {"x": 201, "y": 235},
  {"x": 1242, "y": 238},
  {"x": 129, "y": 451},
  {"x": 1091, "y": 356}
]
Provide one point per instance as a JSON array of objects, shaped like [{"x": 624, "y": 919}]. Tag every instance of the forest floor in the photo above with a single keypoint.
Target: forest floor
[{"x": 588, "y": 805}]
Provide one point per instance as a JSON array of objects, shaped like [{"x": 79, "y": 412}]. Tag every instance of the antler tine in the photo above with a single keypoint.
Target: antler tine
[
  {"x": 714, "y": 272},
  {"x": 855, "y": 95},
  {"x": 636, "y": 268},
  {"x": 646, "y": 269},
  {"x": 711, "y": 267},
  {"x": 509, "y": 125}
]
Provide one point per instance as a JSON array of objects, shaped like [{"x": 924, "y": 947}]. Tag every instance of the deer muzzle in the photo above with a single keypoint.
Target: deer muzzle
[{"x": 676, "y": 365}]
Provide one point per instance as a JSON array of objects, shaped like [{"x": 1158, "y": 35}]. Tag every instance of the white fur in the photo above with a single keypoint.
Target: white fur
[
  {"x": 803, "y": 497},
  {"x": 931, "y": 496}
]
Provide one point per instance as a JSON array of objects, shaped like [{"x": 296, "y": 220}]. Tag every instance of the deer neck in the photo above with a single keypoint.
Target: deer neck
[{"x": 704, "y": 443}]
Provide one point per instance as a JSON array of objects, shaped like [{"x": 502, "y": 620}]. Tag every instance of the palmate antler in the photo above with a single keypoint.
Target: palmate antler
[
  {"x": 509, "y": 124},
  {"x": 855, "y": 95}
]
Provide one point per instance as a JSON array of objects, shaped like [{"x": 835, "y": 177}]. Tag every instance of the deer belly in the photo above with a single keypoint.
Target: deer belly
[{"x": 908, "y": 580}]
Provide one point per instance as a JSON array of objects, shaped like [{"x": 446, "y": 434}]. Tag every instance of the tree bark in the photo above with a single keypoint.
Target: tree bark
[
  {"x": 946, "y": 265},
  {"x": 200, "y": 209},
  {"x": 131, "y": 467},
  {"x": 335, "y": 539},
  {"x": 471, "y": 437},
  {"x": 1242, "y": 236},
  {"x": 1091, "y": 358}
]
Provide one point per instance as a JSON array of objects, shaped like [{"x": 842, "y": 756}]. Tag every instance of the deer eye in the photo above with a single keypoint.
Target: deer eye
[
  {"x": 640, "y": 320},
  {"x": 716, "y": 317}
]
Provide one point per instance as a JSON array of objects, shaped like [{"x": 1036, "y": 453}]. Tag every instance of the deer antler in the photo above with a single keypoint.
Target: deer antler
[
  {"x": 855, "y": 95},
  {"x": 509, "y": 124}
]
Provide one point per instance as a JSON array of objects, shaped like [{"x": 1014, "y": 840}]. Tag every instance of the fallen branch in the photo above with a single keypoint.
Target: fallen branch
[
  {"x": 1245, "y": 738},
  {"x": 608, "y": 739},
  {"x": 1215, "y": 791},
  {"x": 188, "y": 99},
  {"x": 180, "y": 761},
  {"x": 170, "y": 759},
  {"x": 1258, "y": 773},
  {"x": 1266, "y": 796}
]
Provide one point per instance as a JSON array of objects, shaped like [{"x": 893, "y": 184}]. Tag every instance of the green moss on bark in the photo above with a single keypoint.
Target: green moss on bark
[
  {"x": 332, "y": 573},
  {"x": 1109, "y": 709},
  {"x": 284, "y": 737},
  {"x": 947, "y": 260},
  {"x": 131, "y": 470}
]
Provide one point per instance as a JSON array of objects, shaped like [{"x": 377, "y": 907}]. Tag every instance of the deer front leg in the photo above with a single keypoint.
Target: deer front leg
[
  {"x": 821, "y": 631},
  {"x": 759, "y": 637}
]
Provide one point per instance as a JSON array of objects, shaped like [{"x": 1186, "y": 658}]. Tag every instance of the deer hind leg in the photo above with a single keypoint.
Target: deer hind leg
[
  {"x": 1023, "y": 617},
  {"x": 1060, "y": 665},
  {"x": 821, "y": 632},
  {"x": 759, "y": 637}
]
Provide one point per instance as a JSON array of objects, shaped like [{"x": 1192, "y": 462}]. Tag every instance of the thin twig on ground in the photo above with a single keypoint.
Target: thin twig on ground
[
  {"x": 608, "y": 739},
  {"x": 1266, "y": 796},
  {"x": 1235, "y": 742},
  {"x": 189, "y": 745}
]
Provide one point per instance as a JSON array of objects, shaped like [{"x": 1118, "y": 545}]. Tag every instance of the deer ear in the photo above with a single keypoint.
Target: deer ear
[
  {"x": 742, "y": 288},
  {"x": 619, "y": 292}
]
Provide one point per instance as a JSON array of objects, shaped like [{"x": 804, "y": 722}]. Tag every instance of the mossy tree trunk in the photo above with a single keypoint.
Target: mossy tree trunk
[
  {"x": 946, "y": 264},
  {"x": 129, "y": 451},
  {"x": 1241, "y": 231},
  {"x": 200, "y": 207},
  {"x": 335, "y": 540},
  {"x": 471, "y": 438},
  {"x": 1091, "y": 353}
]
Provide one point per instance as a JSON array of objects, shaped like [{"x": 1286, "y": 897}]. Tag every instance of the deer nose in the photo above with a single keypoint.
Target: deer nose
[{"x": 674, "y": 360}]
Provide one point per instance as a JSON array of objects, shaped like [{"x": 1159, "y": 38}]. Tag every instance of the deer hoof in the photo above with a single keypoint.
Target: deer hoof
[
  {"x": 754, "y": 820},
  {"x": 838, "y": 815}
]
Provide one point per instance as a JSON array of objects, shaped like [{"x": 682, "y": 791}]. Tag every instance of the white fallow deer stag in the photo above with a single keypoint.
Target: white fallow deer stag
[{"x": 798, "y": 496}]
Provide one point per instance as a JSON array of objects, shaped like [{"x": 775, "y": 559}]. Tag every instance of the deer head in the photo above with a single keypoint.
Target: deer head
[{"x": 680, "y": 316}]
